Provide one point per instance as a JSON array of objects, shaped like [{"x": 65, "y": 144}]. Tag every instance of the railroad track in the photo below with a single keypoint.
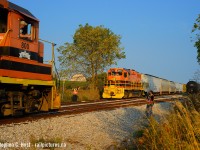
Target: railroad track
[{"x": 72, "y": 109}]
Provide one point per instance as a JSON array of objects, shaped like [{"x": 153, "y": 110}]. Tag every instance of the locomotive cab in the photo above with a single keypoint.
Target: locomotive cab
[
  {"x": 26, "y": 83},
  {"x": 19, "y": 44}
]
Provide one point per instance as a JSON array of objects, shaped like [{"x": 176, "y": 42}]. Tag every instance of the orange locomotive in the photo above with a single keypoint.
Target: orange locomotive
[
  {"x": 26, "y": 83},
  {"x": 122, "y": 83}
]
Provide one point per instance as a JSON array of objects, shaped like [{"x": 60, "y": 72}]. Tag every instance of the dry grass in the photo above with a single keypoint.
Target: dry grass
[{"x": 181, "y": 130}]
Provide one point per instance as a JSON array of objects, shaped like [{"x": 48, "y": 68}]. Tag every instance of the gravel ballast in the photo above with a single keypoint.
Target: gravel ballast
[{"x": 95, "y": 130}]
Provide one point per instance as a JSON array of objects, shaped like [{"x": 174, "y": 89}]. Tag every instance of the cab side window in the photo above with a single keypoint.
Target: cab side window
[
  {"x": 3, "y": 20},
  {"x": 26, "y": 30},
  {"x": 119, "y": 72},
  {"x": 125, "y": 74}
]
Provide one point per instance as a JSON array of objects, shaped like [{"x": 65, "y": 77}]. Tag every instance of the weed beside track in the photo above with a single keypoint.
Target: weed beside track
[{"x": 180, "y": 130}]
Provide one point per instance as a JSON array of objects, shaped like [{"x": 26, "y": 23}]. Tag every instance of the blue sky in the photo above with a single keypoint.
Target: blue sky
[{"x": 156, "y": 34}]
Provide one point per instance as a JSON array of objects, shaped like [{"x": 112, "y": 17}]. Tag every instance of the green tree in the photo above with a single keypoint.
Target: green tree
[
  {"x": 196, "y": 30},
  {"x": 196, "y": 76},
  {"x": 93, "y": 49}
]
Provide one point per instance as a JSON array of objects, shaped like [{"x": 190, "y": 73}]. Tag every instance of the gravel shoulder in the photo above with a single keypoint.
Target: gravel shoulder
[{"x": 96, "y": 130}]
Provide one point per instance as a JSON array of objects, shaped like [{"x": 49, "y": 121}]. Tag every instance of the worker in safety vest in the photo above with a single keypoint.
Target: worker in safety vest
[{"x": 75, "y": 95}]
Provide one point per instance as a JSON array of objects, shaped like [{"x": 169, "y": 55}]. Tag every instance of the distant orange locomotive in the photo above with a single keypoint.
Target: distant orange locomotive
[
  {"x": 123, "y": 82},
  {"x": 26, "y": 83}
]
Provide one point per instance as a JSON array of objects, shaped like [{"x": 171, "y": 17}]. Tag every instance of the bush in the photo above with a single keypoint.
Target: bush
[{"x": 181, "y": 130}]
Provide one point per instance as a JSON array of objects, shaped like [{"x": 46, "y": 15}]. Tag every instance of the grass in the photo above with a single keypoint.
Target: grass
[{"x": 180, "y": 130}]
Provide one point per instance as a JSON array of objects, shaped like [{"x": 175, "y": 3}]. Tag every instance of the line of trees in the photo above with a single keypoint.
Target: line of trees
[{"x": 196, "y": 31}]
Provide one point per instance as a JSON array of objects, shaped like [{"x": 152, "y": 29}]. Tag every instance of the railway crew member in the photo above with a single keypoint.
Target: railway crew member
[
  {"x": 75, "y": 94},
  {"x": 23, "y": 30},
  {"x": 150, "y": 103}
]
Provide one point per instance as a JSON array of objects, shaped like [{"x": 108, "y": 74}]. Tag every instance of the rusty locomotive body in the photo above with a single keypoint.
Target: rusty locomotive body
[{"x": 26, "y": 83}]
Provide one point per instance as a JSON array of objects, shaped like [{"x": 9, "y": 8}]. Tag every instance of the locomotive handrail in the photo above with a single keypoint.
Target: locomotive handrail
[
  {"x": 53, "y": 63},
  {"x": 4, "y": 37}
]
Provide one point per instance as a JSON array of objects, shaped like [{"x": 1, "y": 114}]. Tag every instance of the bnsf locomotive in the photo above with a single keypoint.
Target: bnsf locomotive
[
  {"x": 124, "y": 83},
  {"x": 26, "y": 83}
]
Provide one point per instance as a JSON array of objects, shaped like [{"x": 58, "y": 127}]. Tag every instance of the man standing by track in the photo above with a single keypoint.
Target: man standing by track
[
  {"x": 150, "y": 103},
  {"x": 75, "y": 94}
]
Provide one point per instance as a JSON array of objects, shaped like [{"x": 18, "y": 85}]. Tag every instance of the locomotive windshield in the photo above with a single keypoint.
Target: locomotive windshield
[
  {"x": 3, "y": 20},
  {"x": 115, "y": 72}
]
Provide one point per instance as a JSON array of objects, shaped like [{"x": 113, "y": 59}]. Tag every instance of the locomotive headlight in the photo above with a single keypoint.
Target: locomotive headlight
[{"x": 112, "y": 93}]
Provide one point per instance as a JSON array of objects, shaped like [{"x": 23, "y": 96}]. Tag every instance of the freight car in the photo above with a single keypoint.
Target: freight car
[
  {"x": 193, "y": 87},
  {"x": 26, "y": 83},
  {"x": 124, "y": 83}
]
